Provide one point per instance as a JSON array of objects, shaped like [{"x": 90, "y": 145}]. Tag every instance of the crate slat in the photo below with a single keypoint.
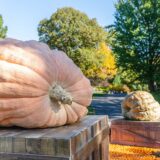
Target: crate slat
[
  {"x": 71, "y": 142},
  {"x": 137, "y": 133}
]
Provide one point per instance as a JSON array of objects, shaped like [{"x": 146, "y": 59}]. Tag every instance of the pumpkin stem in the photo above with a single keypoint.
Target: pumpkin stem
[{"x": 57, "y": 93}]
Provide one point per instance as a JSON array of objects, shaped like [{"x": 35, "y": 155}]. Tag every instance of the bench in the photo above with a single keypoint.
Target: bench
[{"x": 85, "y": 140}]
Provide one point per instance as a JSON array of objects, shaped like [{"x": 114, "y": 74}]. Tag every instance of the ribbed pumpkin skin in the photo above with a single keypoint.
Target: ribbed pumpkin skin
[{"x": 28, "y": 71}]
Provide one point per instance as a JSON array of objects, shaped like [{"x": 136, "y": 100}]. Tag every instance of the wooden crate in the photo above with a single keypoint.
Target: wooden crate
[
  {"x": 86, "y": 140},
  {"x": 136, "y": 133}
]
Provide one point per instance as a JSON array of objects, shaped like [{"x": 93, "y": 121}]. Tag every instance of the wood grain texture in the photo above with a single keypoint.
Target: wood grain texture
[
  {"x": 83, "y": 140},
  {"x": 137, "y": 133}
]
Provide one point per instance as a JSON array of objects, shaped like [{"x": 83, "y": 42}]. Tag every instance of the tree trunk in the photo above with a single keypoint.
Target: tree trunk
[
  {"x": 151, "y": 80},
  {"x": 152, "y": 85}
]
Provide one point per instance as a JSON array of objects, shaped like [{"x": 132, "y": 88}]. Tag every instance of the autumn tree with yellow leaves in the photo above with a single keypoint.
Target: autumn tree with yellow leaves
[
  {"x": 99, "y": 63},
  {"x": 108, "y": 66}
]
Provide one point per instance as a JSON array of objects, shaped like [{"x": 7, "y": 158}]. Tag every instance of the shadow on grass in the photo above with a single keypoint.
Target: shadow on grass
[
  {"x": 99, "y": 94},
  {"x": 108, "y": 95}
]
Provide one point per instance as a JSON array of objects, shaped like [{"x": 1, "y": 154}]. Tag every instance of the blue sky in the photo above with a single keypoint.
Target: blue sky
[{"x": 22, "y": 16}]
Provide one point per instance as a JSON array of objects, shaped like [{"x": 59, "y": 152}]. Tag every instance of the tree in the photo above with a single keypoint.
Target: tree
[
  {"x": 3, "y": 29},
  {"x": 74, "y": 33},
  {"x": 107, "y": 67},
  {"x": 88, "y": 60},
  {"x": 96, "y": 63},
  {"x": 136, "y": 41},
  {"x": 69, "y": 29}
]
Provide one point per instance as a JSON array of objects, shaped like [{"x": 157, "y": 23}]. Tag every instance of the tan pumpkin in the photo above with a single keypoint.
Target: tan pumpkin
[
  {"x": 140, "y": 105},
  {"x": 39, "y": 87}
]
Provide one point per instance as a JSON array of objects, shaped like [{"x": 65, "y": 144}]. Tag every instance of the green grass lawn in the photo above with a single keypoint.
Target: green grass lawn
[
  {"x": 98, "y": 94},
  {"x": 91, "y": 111}
]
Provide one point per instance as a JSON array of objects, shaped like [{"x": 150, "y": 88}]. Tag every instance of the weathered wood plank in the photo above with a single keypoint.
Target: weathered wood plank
[
  {"x": 137, "y": 133},
  {"x": 90, "y": 130},
  {"x": 18, "y": 145},
  {"x": 8, "y": 156},
  {"x": 96, "y": 154},
  {"x": 104, "y": 148},
  {"x": 70, "y": 142},
  {"x": 91, "y": 145},
  {"x": 6, "y": 143}
]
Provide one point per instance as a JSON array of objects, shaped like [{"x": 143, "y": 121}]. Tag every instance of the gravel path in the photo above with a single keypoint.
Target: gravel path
[{"x": 108, "y": 104}]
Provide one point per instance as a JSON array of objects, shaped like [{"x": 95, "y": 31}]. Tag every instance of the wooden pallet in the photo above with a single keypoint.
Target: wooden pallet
[
  {"x": 136, "y": 133},
  {"x": 86, "y": 140}
]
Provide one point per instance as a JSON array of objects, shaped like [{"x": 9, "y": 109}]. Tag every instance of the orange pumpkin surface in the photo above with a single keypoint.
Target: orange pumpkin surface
[{"x": 40, "y": 87}]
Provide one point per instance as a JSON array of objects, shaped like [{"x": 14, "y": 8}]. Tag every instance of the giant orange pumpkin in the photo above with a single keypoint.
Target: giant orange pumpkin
[{"x": 40, "y": 87}]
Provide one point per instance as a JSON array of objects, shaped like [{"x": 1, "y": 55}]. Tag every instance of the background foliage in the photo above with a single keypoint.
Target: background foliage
[
  {"x": 82, "y": 39},
  {"x": 136, "y": 37},
  {"x": 3, "y": 29}
]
